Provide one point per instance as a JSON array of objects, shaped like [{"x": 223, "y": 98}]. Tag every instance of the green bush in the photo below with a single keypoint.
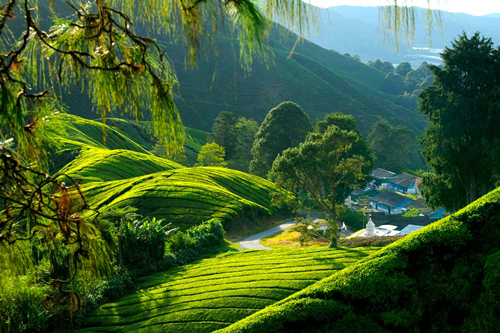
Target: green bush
[
  {"x": 141, "y": 241},
  {"x": 371, "y": 241},
  {"x": 353, "y": 219},
  {"x": 491, "y": 280}
]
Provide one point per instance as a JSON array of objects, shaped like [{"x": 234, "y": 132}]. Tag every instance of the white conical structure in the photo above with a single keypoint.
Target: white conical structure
[{"x": 370, "y": 228}]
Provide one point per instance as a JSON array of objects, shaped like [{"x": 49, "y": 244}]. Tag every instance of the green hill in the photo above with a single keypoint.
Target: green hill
[
  {"x": 141, "y": 133},
  {"x": 69, "y": 134},
  {"x": 442, "y": 278},
  {"x": 95, "y": 164},
  {"x": 216, "y": 292},
  {"x": 183, "y": 196},
  {"x": 319, "y": 80},
  {"x": 121, "y": 173}
]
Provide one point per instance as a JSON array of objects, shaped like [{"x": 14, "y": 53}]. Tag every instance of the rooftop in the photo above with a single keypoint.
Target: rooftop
[
  {"x": 417, "y": 204},
  {"x": 390, "y": 199},
  {"x": 380, "y": 173},
  {"x": 404, "y": 179},
  {"x": 362, "y": 192}
]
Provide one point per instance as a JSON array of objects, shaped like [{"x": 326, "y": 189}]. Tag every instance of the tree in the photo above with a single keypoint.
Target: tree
[
  {"x": 284, "y": 126},
  {"x": 224, "y": 133},
  {"x": 359, "y": 148},
  {"x": 412, "y": 80},
  {"x": 385, "y": 66},
  {"x": 461, "y": 144},
  {"x": 394, "y": 84},
  {"x": 211, "y": 154},
  {"x": 246, "y": 129},
  {"x": 395, "y": 148},
  {"x": 380, "y": 142},
  {"x": 319, "y": 166},
  {"x": 403, "y": 68}
]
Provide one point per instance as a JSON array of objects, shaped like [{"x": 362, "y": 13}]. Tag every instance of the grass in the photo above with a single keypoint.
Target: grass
[
  {"x": 214, "y": 293},
  {"x": 141, "y": 133},
  {"x": 289, "y": 238},
  {"x": 95, "y": 164}
]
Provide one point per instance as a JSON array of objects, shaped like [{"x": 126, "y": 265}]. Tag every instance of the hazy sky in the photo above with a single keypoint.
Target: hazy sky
[{"x": 474, "y": 7}]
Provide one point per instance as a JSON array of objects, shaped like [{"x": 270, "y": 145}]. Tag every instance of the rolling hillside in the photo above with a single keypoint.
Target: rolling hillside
[
  {"x": 319, "y": 80},
  {"x": 216, "y": 292},
  {"x": 69, "y": 134},
  {"x": 184, "y": 197}
]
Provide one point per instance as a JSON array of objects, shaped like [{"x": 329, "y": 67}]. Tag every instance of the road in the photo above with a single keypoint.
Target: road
[{"x": 253, "y": 242}]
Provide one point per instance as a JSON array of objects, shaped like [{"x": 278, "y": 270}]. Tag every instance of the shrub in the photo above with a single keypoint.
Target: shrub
[
  {"x": 371, "y": 241},
  {"x": 141, "y": 241}
]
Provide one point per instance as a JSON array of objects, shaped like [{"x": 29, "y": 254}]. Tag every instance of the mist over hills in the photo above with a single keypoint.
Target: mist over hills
[{"x": 355, "y": 30}]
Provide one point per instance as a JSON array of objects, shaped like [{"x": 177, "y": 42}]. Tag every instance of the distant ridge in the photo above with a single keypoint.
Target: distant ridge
[{"x": 356, "y": 31}]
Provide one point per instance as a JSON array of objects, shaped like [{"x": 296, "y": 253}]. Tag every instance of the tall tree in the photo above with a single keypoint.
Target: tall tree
[
  {"x": 462, "y": 142},
  {"x": 359, "y": 148},
  {"x": 224, "y": 132},
  {"x": 394, "y": 148},
  {"x": 320, "y": 165},
  {"x": 246, "y": 129},
  {"x": 403, "y": 68},
  {"x": 285, "y": 126}
]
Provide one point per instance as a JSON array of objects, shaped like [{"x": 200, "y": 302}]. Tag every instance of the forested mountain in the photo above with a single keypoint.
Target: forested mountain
[
  {"x": 319, "y": 80},
  {"x": 355, "y": 30}
]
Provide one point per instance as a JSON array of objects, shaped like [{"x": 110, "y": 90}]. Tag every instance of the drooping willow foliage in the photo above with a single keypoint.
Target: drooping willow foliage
[{"x": 398, "y": 18}]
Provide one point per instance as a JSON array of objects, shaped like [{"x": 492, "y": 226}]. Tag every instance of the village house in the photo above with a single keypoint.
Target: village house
[
  {"x": 420, "y": 205},
  {"x": 390, "y": 202},
  {"x": 381, "y": 178},
  {"x": 404, "y": 183}
]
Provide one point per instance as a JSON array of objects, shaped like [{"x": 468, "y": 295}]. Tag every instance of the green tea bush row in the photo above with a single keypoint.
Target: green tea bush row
[{"x": 246, "y": 281}]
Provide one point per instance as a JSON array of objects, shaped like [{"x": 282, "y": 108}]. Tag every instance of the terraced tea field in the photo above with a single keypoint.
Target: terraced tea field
[
  {"x": 105, "y": 165},
  {"x": 216, "y": 292},
  {"x": 184, "y": 197}
]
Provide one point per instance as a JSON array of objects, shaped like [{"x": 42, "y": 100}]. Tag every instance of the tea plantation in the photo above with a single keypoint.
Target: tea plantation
[
  {"x": 69, "y": 134},
  {"x": 184, "y": 197},
  {"x": 217, "y": 292},
  {"x": 104, "y": 165}
]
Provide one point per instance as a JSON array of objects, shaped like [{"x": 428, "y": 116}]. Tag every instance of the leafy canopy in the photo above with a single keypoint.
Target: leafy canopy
[
  {"x": 394, "y": 148},
  {"x": 461, "y": 144},
  {"x": 211, "y": 154},
  {"x": 320, "y": 165},
  {"x": 224, "y": 132},
  {"x": 285, "y": 126}
]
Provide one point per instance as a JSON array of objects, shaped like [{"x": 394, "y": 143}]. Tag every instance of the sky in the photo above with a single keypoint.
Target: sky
[{"x": 475, "y": 7}]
